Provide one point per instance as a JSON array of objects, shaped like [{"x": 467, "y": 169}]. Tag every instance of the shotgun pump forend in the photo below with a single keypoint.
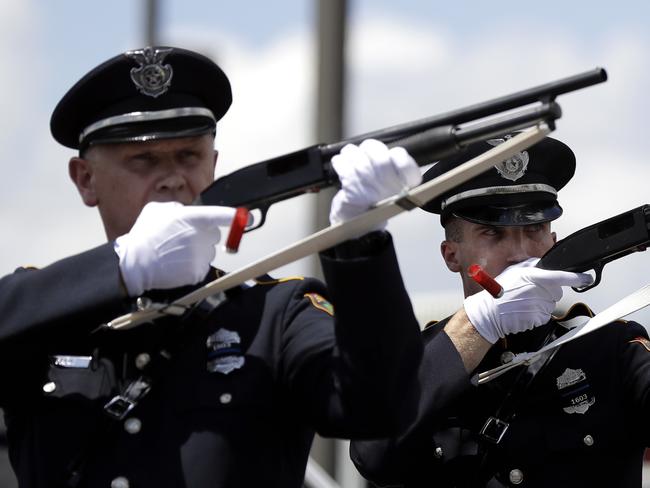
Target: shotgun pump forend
[{"x": 593, "y": 247}]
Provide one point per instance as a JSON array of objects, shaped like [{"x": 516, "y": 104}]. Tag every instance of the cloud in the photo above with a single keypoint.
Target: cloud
[
  {"x": 400, "y": 69},
  {"x": 272, "y": 97},
  {"x": 16, "y": 46},
  {"x": 17, "y": 21},
  {"x": 393, "y": 80}
]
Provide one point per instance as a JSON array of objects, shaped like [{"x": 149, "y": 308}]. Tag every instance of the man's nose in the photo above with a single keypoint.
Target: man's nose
[
  {"x": 171, "y": 181},
  {"x": 517, "y": 250}
]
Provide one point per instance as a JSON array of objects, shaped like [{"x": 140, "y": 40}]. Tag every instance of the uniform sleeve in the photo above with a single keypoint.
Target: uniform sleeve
[
  {"x": 76, "y": 293},
  {"x": 634, "y": 354},
  {"x": 355, "y": 372},
  {"x": 409, "y": 457}
]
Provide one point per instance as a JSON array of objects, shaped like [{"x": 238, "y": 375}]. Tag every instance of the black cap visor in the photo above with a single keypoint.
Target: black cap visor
[
  {"x": 511, "y": 215},
  {"x": 151, "y": 130}
]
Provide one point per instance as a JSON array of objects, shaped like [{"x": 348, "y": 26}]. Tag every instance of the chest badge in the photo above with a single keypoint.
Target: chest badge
[
  {"x": 575, "y": 391},
  {"x": 224, "y": 352}
]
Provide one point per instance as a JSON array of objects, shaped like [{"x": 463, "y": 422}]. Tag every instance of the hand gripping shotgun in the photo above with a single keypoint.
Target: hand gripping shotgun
[{"x": 586, "y": 250}]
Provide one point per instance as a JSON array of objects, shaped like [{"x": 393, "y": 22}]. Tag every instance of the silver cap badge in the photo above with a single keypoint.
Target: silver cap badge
[
  {"x": 514, "y": 168},
  {"x": 151, "y": 76}
]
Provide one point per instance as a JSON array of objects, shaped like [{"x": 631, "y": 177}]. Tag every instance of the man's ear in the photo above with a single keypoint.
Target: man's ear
[
  {"x": 449, "y": 249},
  {"x": 81, "y": 174},
  {"x": 554, "y": 236}
]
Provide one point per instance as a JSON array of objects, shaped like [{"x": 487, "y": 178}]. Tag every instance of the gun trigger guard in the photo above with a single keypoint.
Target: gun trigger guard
[
  {"x": 598, "y": 269},
  {"x": 263, "y": 209}
]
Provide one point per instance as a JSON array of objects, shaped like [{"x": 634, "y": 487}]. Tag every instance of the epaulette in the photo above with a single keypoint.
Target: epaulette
[
  {"x": 267, "y": 280},
  {"x": 317, "y": 300},
  {"x": 575, "y": 310},
  {"x": 643, "y": 341},
  {"x": 320, "y": 302},
  {"x": 431, "y": 323},
  {"x": 580, "y": 309}
]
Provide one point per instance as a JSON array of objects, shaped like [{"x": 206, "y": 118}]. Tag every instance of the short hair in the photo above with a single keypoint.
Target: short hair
[{"x": 453, "y": 229}]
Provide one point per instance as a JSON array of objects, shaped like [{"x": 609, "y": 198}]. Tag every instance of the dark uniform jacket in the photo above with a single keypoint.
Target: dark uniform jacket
[
  {"x": 242, "y": 387},
  {"x": 582, "y": 422}
]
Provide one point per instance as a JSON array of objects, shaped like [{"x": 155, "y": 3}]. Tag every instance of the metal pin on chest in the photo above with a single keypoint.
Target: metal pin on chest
[
  {"x": 141, "y": 360},
  {"x": 133, "y": 425},
  {"x": 516, "y": 476},
  {"x": 120, "y": 482},
  {"x": 507, "y": 357}
]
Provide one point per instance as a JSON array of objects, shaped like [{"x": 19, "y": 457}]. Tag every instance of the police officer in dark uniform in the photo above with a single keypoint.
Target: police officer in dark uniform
[
  {"x": 230, "y": 393},
  {"x": 575, "y": 419}
]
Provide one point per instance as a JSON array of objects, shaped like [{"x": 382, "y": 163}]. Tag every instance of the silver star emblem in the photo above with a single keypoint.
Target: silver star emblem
[{"x": 151, "y": 77}]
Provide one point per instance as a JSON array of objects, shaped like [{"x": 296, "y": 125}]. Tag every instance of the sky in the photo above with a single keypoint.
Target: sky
[{"x": 405, "y": 60}]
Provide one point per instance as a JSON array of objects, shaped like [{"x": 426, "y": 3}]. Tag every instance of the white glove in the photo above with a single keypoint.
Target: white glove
[
  {"x": 370, "y": 173},
  {"x": 170, "y": 245},
  {"x": 528, "y": 300}
]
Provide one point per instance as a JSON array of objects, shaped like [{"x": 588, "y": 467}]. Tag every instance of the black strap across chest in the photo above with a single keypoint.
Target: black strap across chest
[{"x": 495, "y": 426}]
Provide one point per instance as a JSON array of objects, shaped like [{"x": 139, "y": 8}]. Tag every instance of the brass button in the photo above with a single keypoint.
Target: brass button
[
  {"x": 120, "y": 482},
  {"x": 141, "y": 360},
  {"x": 225, "y": 398},
  {"x": 438, "y": 452},
  {"x": 49, "y": 387},
  {"x": 588, "y": 440},
  {"x": 133, "y": 425},
  {"x": 516, "y": 476},
  {"x": 507, "y": 356}
]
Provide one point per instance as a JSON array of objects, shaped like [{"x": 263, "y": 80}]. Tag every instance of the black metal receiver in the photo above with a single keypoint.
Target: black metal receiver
[
  {"x": 260, "y": 185},
  {"x": 593, "y": 247}
]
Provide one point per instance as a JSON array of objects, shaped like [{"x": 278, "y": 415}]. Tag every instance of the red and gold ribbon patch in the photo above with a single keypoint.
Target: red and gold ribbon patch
[{"x": 320, "y": 303}]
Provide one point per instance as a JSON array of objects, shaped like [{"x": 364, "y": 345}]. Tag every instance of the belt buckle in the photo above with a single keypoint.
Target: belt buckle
[
  {"x": 119, "y": 407},
  {"x": 494, "y": 429}
]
